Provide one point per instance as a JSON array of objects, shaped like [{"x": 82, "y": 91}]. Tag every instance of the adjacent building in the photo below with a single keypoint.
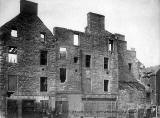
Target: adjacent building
[
  {"x": 70, "y": 74},
  {"x": 150, "y": 77}
]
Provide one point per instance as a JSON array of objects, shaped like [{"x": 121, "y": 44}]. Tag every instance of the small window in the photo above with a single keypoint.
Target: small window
[
  {"x": 14, "y": 33},
  {"x": 105, "y": 63},
  {"x": 88, "y": 59},
  {"x": 42, "y": 36},
  {"x": 43, "y": 58},
  {"x": 75, "y": 59},
  {"x": 106, "y": 85},
  {"x": 12, "y": 82},
  {"x": 75, "y": 40},
  {"x": 12, "y": 54},
  {"x": 148, "y": 95},
  {"x": 129, "y": 66},
  {"x": 63, "y": 53},
  {"x": 63, "y": 75},
  {"x": 43, "y": 84},
  {"x": 110, "y": 45}
]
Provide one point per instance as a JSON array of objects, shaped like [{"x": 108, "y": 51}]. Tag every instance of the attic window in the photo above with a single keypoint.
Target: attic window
[
  {"x": 42, "y": 36},
  {"x": 75, "y": 40},
  {"x": 63, "y": 52},
  {"x": 110, "y": 45},
  {"x": 14, "y": 33},
  {"x": 12, "y": 54}
]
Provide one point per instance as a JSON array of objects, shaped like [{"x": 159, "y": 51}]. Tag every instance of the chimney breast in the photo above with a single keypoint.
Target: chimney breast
[
  {"x": 95, "y": 22},
  {"x": 28, "y": 7}
]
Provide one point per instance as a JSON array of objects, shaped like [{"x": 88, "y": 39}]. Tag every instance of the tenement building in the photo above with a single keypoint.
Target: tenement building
[{"x": 67, "y": 73}]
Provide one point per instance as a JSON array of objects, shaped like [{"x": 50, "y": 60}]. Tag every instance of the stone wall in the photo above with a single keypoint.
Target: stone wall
[
  {"x": 29, "y": 44},
  {"x": 97, "y": 47}
]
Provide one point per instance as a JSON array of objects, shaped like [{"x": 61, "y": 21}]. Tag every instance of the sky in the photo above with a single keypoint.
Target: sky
[{"x": 138, "y": 20}]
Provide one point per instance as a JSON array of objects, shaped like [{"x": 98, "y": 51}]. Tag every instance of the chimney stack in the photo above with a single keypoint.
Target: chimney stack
[
  {"x": 95, "y": 23},
  {"x": 28, "y": 7}
]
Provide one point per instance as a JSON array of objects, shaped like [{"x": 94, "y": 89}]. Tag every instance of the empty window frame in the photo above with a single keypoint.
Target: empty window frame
[
  {"x": 12, "y": 54},
  {"x": 88, "y": 60},
  {"x": 129, "y": 66},
  {"x": 43, "y": 58},
  {"x": 105, "y": 63},
  {"x": 43, "y": 36},
  {"x": 63, "y": 75},
  {"x": 148, "y": 95},
  {"x": 63, "y": 52},
  {"x": 110, "y": 46},
  {"x": 14, "y": 33},
  {"x": 75, "y": 40},
  {"x": 106, "y": 85},
  {"x": 75, "y": 59},
  {"x": 12, "y": 83},
  {"x": 43, "y": 84}
]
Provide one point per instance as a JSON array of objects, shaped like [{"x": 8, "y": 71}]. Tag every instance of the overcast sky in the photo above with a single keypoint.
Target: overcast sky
[{"x": 138, "y": 20}]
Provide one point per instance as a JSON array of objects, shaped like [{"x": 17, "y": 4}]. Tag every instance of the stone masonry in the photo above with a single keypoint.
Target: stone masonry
[{"x": 54, "y": 76}]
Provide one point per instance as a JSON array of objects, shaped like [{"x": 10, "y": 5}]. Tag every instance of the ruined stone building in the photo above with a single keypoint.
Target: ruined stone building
[
  {"x": 150, "y": 77},
  {"x": 70, "y": 74}
]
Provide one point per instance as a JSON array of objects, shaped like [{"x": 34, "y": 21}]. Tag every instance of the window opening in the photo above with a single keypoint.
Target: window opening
[
  {"x": 63, "y": 75},
  {"x": 12, "y": 54},
  {"x": 88, "y": 58},
  {"x": 76, "y": 40},
  {"x": 43, "y": 84},
  {"x": 43, "y": 58},
  {"x": 105, "y": 63},
  {"x": 106, "y": 85}
]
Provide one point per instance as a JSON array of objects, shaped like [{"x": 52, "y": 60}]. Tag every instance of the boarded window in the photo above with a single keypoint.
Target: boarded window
[
  {"x": 110, "y": 45},
  {"x": 14, "y": 33},
  {"x": 43, "y": 84},
  {"x": 106, "y": 85},
  {"x": 75, "y": 59},
  {"x": 129, "y": 66},
  {"x": 88, "y": 85},
  {"x": 63, "y": 53},
  {"x": 12, "y": 82},
  {"x": 75, "y": 40},
  {"x": 63, "y": 75},
  {"x": 12, "y": 54},
  {"x": 88, "y": 59},
  {"x": 43, "y": 58},
  {"x": 105, "y": 63}
]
